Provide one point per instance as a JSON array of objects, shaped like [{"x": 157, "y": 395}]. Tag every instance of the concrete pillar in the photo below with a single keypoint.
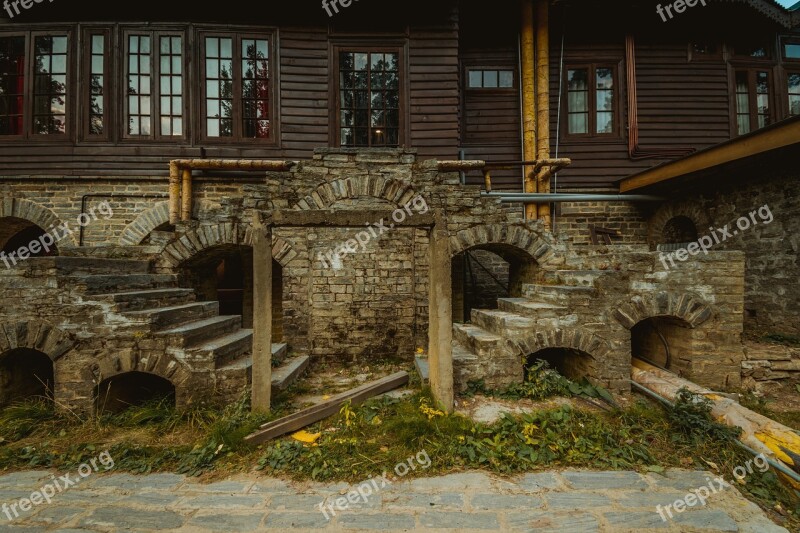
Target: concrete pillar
[
  {"x": 262, "y": 315},
  {"x": 440, "y": 321}
]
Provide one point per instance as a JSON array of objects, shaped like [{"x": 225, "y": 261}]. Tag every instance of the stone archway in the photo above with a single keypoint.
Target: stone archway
[
  {"x": 518, "y": 236},
  {"x": 659, "y": 222},
  {"x": 145, "y": 223},
  {"x": 207, "y": 236},
  {"x": 686, "y": 307},
  {"x": 33, "y": 213},
  {"x": 396, "y": 192},
  {"x": 35, "y": 335}
]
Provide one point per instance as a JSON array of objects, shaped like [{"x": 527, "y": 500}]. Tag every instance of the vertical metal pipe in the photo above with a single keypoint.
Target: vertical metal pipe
[
  {"x": 186, "y": 196},
  {"x": 174, "y": 192},
  {"x": 528, "y": 58},
  {"x": 543, "y": 102}
]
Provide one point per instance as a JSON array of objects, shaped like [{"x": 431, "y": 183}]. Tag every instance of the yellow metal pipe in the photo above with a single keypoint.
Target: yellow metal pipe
[
  {"x": 543, "y": 102},
  {"x": 174, "y": 192},
  {"x": 186, "y": 195},
  {"x": 528, "y": 59}
]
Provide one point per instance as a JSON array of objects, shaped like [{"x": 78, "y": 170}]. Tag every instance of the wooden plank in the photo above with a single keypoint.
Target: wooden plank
[{"x": 327, "y": 408}]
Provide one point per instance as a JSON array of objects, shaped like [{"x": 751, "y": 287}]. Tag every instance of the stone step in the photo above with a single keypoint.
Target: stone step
[
  {"x": 286, "y": 374},
  {"x": 574, "y": 278},
  {"x": 197, "y": 333},
  {"x": 139, "y": 300},
  {"x": 502, "y": 323},
  {"x": 464, "y": 364},
  {"x": 163, "y": 317},
  {"x": 476, "y": 339},
  {"x": 87, "y": 266},
  {"x": 531, "y": 309},
  {"x": 226, "y": 348},
  {"x": 282, "y": 377},
  {"x": 559, "y": 294},
  {"x": 111, "y": 283}
]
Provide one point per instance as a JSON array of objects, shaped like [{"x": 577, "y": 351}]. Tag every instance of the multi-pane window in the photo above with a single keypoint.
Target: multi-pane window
[
  {"x": 237, "y": 87},
  {"x": 50, "y": 85},
  {"x": 794, "y": 93},
  {"x": 369, "y": 98},
  {"x": 12, "y": 85},
  {"x": 171, "y": 85},
  {"x": 591, "y": 100},
  {"x": 140, "y": 115},
  {"x": 97, "y": 84},
  {"x": 490, "y": 79},
  {"x": 753, "y": 108},
  {"x": 154, "y": 106},
  {"x": 791, "y": 50},
  {"x": 255, "y": 88}
]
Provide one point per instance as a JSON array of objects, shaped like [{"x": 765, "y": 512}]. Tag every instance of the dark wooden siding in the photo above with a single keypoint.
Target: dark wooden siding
[
  {"x": 433, "y": 89},
  {"x": 490, "y": 120}
]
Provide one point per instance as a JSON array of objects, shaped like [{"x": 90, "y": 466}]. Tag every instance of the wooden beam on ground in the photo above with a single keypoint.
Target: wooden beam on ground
[
  {"x": 327, "y": 408},
  {"x": 261, "y": 395}
]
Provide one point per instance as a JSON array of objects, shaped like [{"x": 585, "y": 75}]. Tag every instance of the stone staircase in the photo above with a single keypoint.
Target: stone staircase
[
  {"x": 480, "y": 347},
  {"x": 155, "y": 307}
]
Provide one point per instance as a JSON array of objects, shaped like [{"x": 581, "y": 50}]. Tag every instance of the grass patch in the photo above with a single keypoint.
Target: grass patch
[{"x": 361, "y": 442}]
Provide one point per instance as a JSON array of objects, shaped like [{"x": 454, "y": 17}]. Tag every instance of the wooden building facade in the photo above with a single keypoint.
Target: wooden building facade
[{"x": 629, "y": 88}]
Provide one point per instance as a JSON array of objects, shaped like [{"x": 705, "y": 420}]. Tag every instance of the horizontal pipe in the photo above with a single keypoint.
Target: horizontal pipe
[
  {"x": 774, "y": 464},
  {"x": 564, "y": 197},
  {"x": 232, "y": 164}
]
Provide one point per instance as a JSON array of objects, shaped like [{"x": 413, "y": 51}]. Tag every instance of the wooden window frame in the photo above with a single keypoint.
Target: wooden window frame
[
  {"x": 770, "y": 47},
  {"x": 694, "y": 57},
  {"x": 592, "y": 66},
  {"x": 26, "y": 98},
  {"x": 377, "y": 47},
  {"x": 155, "y": 35},
  {"x": 270, "y": 35},
  {"x": 792, "y": 70},
  {"x": 28, "y": 104},
  {"x": 785, "y": 40},
  {"x": 84, "y": 86},
  {"x": 488, "y": 90},
  {"x": 752, "y": 68}
]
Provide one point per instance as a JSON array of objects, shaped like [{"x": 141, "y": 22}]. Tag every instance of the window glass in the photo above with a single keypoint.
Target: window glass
[{"x": 50, "y": 85}]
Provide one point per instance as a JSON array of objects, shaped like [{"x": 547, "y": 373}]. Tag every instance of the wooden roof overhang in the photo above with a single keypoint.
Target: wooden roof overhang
[{"x": 780, "y": 135}]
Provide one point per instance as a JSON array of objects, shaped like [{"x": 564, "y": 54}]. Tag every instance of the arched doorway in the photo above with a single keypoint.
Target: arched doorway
[
  {"x": 225, "y": 274},
  {"x": 573, "y": 364},
  {"x": 16, "y": 233},
  {"x": 130, "y": 389},
  {"x": 665, "y": 342},
  {"x": 25, "y": 374},
  {"x": 678, "y": 232},
  {"x": 483, "y": 274}
]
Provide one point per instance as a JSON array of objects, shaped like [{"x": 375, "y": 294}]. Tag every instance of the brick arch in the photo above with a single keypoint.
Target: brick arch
[
  {"x": 692, "y": 211},
  {"x": 396, "y": 192},
  {"x": 144, "y": 224},
  {"x": 35, "y": 335},
  {"x": 578, "y": 339},
  {"x": 209, "y": 236},
  {"x": 34, "y": 213},
  {"x": 687, "y": 307},
  {"x": 163, "y": 365},
  {"x": 519, "y": 237}
]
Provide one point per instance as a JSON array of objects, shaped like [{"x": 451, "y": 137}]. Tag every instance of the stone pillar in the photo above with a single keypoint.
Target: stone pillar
[
  {"x": 440, "y": 321},
  {"x": 262, "y": 315}
]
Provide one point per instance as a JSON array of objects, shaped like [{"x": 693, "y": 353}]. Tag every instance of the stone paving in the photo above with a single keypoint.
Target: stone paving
[{"x": 568, "y": 501}]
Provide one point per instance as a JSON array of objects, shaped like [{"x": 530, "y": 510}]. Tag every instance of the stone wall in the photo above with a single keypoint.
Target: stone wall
[
  {"x": 773, "y": 250},
  {"x": 573, "y": 220}
]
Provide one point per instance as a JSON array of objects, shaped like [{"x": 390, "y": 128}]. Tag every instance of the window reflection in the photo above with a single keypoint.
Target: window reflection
[
  {"x": 369, "y": 102},
  {"x": 50, "y": 85}
]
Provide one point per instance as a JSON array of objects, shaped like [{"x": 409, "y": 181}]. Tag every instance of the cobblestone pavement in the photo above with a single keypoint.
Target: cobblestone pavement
[{"x": 569, "y": 501}]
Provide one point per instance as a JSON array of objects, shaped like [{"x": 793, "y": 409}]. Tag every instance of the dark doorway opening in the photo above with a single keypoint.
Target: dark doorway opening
[{"x": 25, "y": 374}]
